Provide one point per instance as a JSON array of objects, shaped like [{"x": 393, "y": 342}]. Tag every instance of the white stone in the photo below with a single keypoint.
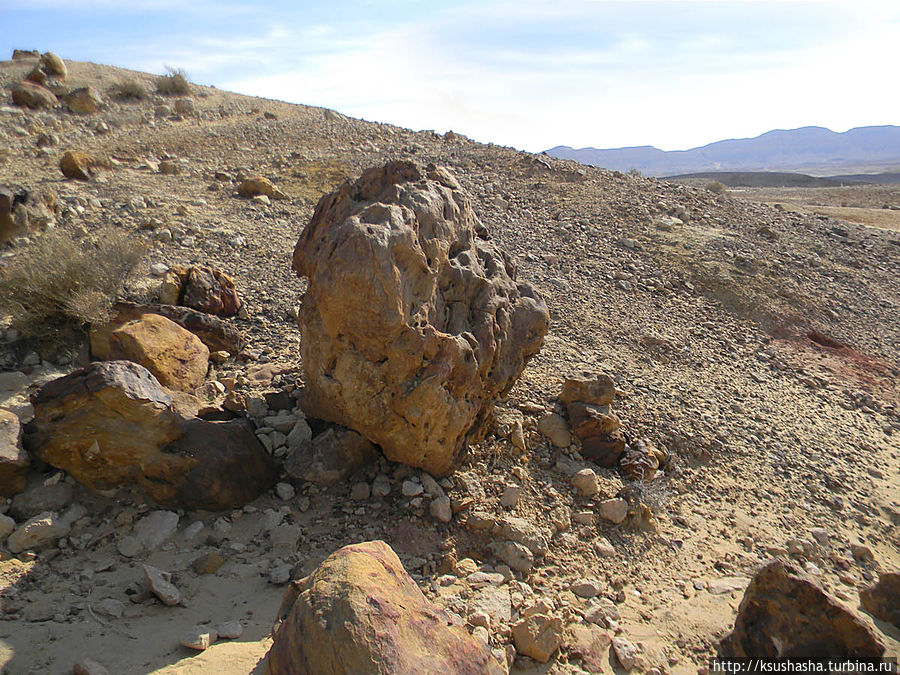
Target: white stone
[{"x": 613, "y": 510}]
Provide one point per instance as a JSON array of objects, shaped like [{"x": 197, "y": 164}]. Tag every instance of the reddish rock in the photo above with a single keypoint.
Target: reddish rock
[
  {"x": 604, "y": 450},
  {"x": 785, "y": 614},
  {"x": 84, "y": 100},
  {"x": 32, "y": 95},
  {"x": 414, "y": 322},
  {"x": 361, "y": 614},
  {"x": 589, "y": 420}
]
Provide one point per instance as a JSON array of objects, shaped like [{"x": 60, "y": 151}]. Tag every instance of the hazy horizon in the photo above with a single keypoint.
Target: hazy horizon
[{"x": 532, "y": 75}]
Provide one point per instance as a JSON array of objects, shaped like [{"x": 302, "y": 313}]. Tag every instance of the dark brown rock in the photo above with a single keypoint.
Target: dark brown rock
[
  {"x": 604, "y": 450},
  {"x": 332, "y": 456},
  {"x": 785, "y": 614},
  {"x": 21, "y": 54},
  {"x": 414, "y": 323},
  {"x": 32, "y": 95},
  {"x": 14, "y": 460},
  {"x": 201, "y": 287},
  {"x": 882, "y": 600},
  {"x": 589, "y": 420},
  {"x": 361, "y": 614},
  {"x": 80, "y": 165}
]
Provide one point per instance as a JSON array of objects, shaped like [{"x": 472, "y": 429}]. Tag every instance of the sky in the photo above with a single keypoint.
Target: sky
[{"x": 527, "y": 74}]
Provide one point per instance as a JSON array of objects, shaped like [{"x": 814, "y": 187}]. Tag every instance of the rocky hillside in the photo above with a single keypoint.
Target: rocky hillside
[{"x": 752, "y": 356}]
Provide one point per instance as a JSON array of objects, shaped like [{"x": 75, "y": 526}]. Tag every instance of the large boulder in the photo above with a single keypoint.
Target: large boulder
[
  {"x": 32, "y": 95},
  {"x": 112, "y": 423},
  {"x": 362, "y": 614},
  {"x": 14, "y": 461},
  {"x": 785, "y": 614},
  {"x": 175, "y": 356},
  {"x": 414, "y": 323}
]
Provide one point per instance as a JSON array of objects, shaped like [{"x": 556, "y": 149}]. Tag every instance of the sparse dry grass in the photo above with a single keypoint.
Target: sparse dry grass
[
  {"x": 174, "y": 84},
  {"x": 130, "y": 89},
  {"x": 58, "y": 283},
  {"x": 311, "y": 180}
]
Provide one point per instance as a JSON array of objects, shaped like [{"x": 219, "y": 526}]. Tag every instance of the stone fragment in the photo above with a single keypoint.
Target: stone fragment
[
  {"x": 259, "y": 185},
  {"x": 155, "y": 528},
  {"x": 208, "y": 563},
  {"x": 14, "y": 460},
  {"x": 591, "y": 387},
  {"x": 441, "y": 509},
  {"x": 882, "y": 600},
  {"x": 285, "y": 491},
  {"x": 7, "y": 526},
  {"x": 786, "y": 614},
  {"x": 54, "y": 65},
  {"x": 360, "y": 613},
  {"x": 32, "y": 95},
  {"x": 199, "y": 638},
  {"x": 331, "y": 457},
  {"x": 587, "y": 588},
  {"x": 175, "y": 356},
  {"x": 605, "y": 450},
  {"x": 524, "y": 532},
  {"x": 589, "y": 420},
  {"x": 625, "y": 652},
  {"x": 613, "y": 510},
  {"x": 80, "y": 165},
  {"x": 230, "y": 630},
  {"x": 413, "y": 323},
  {"x": 518, "y": 557},
  {"x": 556, "y": 429},
  {"x": 590, "y": 644},
  {"x": 161, "y": 585},
  {"x": 200, "y": 287},
  {"x": 84, "y": 101},
  {"x": 43, "y": 529},
  {"x": 537, "y": 636},
  {"x": 40, "y": 498},
  {"x": 585, "y": 481}
]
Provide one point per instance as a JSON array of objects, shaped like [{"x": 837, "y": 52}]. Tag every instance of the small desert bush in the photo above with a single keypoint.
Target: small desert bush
[
  {"x": 58, "y": 283},
  {"x": 716, "y": 186},
  {"x": 173, "y": 84},
  {"x": 130, "y": 89}
]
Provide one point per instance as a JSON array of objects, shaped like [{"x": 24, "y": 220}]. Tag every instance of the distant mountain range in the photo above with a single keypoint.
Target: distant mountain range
[{"x": 815, "y": 150}]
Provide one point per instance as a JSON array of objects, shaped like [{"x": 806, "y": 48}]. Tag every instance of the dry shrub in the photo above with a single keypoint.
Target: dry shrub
[
  {"x": 716, "y": 186},
  {"x": 130, "y": 90},
  {"x": 57, "y": 283},
  {"x": 173, "y": 84}
]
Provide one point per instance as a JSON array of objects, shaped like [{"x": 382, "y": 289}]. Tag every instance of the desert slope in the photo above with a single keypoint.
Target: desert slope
[{"x": 759, "y": 347}]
